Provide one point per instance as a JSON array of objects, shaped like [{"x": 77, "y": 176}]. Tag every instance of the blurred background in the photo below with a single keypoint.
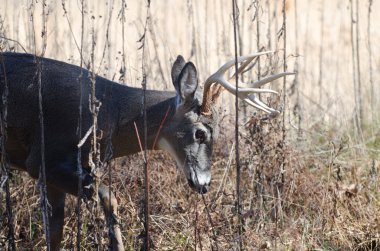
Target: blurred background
[
  {"x": 331, "y": 111},
  {"x": 333, "y": 46}
]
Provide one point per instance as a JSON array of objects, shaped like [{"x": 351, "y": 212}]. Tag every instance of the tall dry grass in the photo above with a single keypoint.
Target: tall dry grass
[{"x": 326, "y": 197}]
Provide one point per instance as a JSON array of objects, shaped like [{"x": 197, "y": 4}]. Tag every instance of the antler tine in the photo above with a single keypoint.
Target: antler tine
[
  {"x": 261, "y": 105},
  {"x": 248, "y": 61},
  {"x": 271, "y": 78},
  {"x": 217, "y": 77},
  {"x": 254, "y": 100},
  {"x": 222, "y": 70},
  {"x": 245, "y": 91},
  {"x": 254, "y": 104}
]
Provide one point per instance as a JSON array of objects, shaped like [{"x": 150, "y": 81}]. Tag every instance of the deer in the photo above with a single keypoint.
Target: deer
[{"x": 187, "y": 134}]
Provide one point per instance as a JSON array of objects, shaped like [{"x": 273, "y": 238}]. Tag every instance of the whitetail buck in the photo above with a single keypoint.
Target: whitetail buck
[{"x": 188, "y": 133}]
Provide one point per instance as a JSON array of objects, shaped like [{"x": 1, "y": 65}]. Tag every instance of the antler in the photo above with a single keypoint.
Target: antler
[{"x": 246, "y": 91}]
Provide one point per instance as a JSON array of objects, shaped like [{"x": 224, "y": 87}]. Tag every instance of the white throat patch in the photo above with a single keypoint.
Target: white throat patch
[{"x": 163, "y": 144}]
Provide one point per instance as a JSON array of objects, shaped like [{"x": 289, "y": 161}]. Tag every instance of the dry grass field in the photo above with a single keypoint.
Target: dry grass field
[{"x": 316, "y": 189}]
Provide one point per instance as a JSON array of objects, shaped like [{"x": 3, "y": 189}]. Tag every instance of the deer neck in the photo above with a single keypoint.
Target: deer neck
[{"x": 129, "y": 130}]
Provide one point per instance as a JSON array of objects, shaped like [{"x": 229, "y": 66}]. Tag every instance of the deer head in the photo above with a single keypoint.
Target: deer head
[{"x": 190, "y": 135}]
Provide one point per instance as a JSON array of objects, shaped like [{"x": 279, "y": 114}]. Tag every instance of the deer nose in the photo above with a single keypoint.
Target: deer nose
[
  {"x": 204, "y": 189},
  {"x": 208, "y": 186}
]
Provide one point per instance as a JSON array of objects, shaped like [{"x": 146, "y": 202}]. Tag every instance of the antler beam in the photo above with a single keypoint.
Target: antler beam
[{"x": 246, "y": 91}]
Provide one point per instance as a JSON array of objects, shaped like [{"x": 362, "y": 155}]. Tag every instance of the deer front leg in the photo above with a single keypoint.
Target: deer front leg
[
  {"x": 110, "y": 210},
  {"x": 62, "y": 177},
  {"x": 70, "y": 184},
  {"x": 56, "y": 199}
]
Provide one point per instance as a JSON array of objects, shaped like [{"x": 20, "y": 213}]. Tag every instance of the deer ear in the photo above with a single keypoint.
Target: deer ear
[
  {"x": 187, "y": 83},
  {"x": 176, "y": 70}
]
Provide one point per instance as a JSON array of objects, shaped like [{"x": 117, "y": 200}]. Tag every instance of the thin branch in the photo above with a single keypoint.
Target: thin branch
[
  {"x": 370, "y": 63},
  {"x": 79, "y": 154},
  {"x": 210, "y": 221},
  {"x": 297, "y": 107},
  {"x": 146, "y": 170},
  {"x": 15, "y": 41},
  {"x": 237, "y": 153},
  {"x": 45, "y": 207},
  {"x": 360, "y": 99},
  {"x": 214, "y": 237},
  {"x": 269, "y": 36},
  {"x": 5, "y": 169},
  {"x": 94, "y": 155},
  {"x": 257, "y": 16},
  {"x": 285, "y": 67},
  {"x": 106, "y": 44},
  {"x": 357, "y": 117},
  {"x": 156, "y": 50},
  {"x": 321, "y": 50},
  {"x": 196, "y": 231},
  {"x": 123, "y": 20},
  {"x": 71, "y": 30}
]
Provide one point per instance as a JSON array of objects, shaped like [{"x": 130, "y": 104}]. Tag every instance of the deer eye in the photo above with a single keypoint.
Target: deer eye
[{"x": 200, "y": 135}]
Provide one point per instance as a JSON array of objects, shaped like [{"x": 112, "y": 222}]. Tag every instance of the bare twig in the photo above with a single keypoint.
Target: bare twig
[
  {"x": 14, "y": 41},
  {"x": 321, "y": 49},
  {"x": 237, "y": 156},
  {"x": 269, "y": 36},
  {"x": 71, "y": 30},
  {"x": 160, "y": 127},
  {"x": 370, "y": 63},
  {"x": 214, "y": 237},
  {"x": 106, "y": 44},
  {"x": 157, "y": 59},
  {"x": 297, "y": 107},
  {"x": 4, "y": 169},
  {"x": 211, "y": 223},
  {"x": 226, "y": 169},
  {"x": 360, "y": 101},
  {"x": 257, "y": 16},
  {"x": 94, "y": 155},
  {"x": 45, "y": 207},
  {"x": 123, "y": 20},
  {"x": 206, "y": 42},
  {"x": 89, "y": 131},
  {"x": 357, "y": 118},
  {"x": 285, "y": 69},
  {"x": 196, "y": 232},
  {"x": 190, "y": 17},
  {"x": 146, "y": 170},
  {"x": 80, "y": 108},
  {"x": 278, "y": 184}
]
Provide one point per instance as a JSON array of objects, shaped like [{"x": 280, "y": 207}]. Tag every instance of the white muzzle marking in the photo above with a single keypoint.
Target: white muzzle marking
[{"x": 201, "y": 178}]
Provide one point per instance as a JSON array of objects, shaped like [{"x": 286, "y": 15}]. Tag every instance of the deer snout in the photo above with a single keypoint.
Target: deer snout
[{"x": 200, "y": 188}]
